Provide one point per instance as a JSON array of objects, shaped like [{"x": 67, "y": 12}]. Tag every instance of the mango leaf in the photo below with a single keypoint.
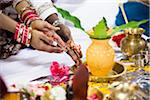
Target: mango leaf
[
  {"x": 100, "y": 30},
  {"x": 132, "y": 24},
  {"x": 66, "y": 15}
]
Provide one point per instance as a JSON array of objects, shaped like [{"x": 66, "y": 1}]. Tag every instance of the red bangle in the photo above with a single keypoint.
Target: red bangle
[
  {"x": 19, "y": 35},
  {"x": 26, "y": 14},
  {"x": 22, "y": 34},
  {"x": 26, "y": 35},
  {"x": 29, "y": 18},
  {"x": 28, "y": 41},
  {"x": 17, "y": 30},
  {"x": 29, "y": 15},
  {"x": 27, "y": 8}
]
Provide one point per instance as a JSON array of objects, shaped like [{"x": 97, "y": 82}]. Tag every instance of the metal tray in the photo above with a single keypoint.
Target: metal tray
[{"x": 117, "y": 71}]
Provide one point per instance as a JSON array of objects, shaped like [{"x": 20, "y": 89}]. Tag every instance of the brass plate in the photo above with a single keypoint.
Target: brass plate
[{"x": 118, "y": 70}]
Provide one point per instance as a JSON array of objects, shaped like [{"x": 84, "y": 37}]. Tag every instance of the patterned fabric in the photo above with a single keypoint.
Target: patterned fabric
[
  {"x": 5, "y": 3},
  {"x": 8, "y": 46}
]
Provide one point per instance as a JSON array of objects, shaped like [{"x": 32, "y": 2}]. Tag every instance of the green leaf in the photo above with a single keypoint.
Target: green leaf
[
  {"x": 66, "y": 15},
  {"x": 132, "y": 24},
  {"x": 100, "y": 30}
]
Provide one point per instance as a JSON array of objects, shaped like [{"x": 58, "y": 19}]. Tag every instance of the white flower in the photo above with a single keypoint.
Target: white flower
[{"x": 58, "y": 92}]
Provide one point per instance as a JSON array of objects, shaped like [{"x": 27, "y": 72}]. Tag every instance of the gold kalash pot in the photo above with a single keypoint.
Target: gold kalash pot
[{"x": 133, "y": 43}]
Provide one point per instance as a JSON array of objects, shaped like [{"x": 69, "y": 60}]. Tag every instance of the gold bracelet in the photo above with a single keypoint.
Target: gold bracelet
[
  {"x": 16, "y": 2},
  {"x": 26, "y": 8}
]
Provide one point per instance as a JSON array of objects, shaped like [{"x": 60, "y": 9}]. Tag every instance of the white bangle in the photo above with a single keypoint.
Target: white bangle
[{"x": 56, "y": 23}]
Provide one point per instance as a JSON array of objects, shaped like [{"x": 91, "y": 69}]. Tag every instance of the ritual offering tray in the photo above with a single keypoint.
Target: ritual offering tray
[{"x": 117, "y": 71}]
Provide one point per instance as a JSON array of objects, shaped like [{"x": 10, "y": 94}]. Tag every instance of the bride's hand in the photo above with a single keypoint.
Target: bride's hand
[
  {"x": 41, "y": 41},
  {"x": 43, "y": 26},
  {"x": 65, "y": 34}
]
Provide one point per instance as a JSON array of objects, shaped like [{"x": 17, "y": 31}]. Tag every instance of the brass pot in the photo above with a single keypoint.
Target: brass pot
[{"x": 133, "y": 43}]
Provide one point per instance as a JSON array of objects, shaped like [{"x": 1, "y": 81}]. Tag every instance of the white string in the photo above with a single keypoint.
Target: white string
[{"x": 123, "y": 11}]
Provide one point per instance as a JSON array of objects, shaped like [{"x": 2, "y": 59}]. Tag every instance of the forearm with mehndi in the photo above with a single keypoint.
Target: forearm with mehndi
[
  {"x": 65, "y": 34},
  {"x": 52, "y": 18}
]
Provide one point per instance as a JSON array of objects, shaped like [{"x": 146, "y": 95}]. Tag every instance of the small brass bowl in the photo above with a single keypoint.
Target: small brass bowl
[{"x": 117, "y": 71}]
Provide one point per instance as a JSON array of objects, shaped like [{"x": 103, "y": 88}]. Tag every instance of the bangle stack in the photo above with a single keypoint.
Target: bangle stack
[
  {"x": 23, "y": 34},
  {"x": 28, "y": 15}
]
